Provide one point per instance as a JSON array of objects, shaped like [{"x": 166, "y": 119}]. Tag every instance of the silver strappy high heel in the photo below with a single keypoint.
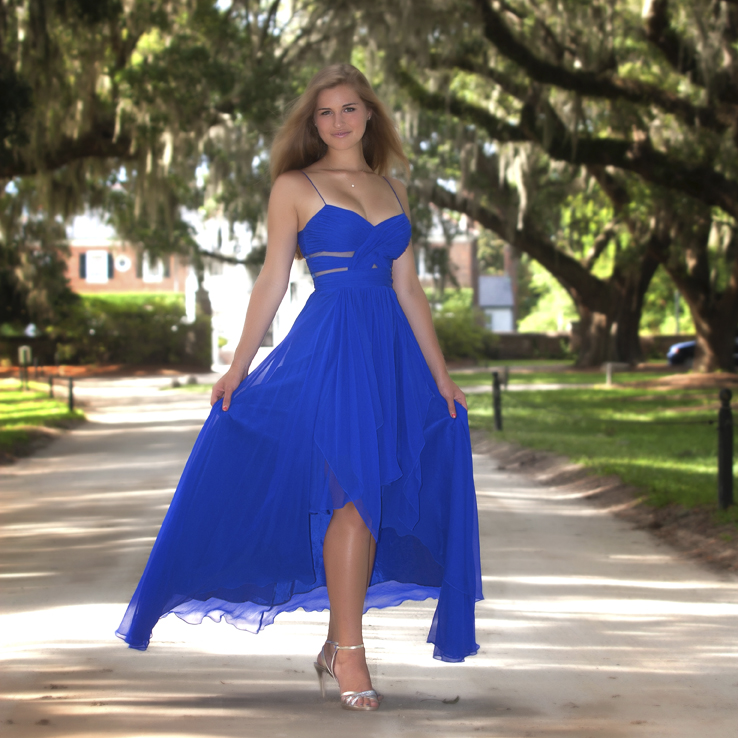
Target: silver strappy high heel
[{"x": 348, "y": 699}]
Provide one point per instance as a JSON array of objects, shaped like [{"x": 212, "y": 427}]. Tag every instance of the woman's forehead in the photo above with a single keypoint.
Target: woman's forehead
[{"x": 337, "y": 97}]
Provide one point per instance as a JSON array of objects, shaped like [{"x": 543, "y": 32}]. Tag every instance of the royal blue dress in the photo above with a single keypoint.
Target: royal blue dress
[{"x": 344, "y": 409}]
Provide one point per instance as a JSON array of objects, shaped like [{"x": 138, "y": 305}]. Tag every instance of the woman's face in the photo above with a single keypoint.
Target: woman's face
[{"x": 341, "y": 116}]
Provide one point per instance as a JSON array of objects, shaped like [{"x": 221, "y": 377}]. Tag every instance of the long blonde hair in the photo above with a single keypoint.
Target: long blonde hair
[{"x": 297, "y": 143}]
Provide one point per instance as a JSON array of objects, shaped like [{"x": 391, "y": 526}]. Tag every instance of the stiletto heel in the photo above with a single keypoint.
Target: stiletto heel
[
  {"x": 322, "y": 669},
  {"x": 348, "y": 699}
]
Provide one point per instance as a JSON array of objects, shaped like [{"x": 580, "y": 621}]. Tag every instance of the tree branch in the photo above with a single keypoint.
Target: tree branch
[
  {"x": 497, "y": 129},
  {"x": 590, "y": 84},
  {"x": 702, "y": 183},
  {"x": 593, "y": 291},
  {"x": 599, "y": 245},
  {"x": 98, "y": 143}
]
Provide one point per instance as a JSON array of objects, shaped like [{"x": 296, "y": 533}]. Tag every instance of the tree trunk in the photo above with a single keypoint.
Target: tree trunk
[
  {"x": 591, "y": 340},
  {"x": 716, "y": 332},
  {"x": 714, "y": 312},
  {"x": 627, "y": 307},
  {"x": 615, "y": 335}
]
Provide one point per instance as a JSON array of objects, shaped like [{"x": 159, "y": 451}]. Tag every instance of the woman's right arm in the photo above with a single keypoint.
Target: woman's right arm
[{"x": 270, "y": 285}]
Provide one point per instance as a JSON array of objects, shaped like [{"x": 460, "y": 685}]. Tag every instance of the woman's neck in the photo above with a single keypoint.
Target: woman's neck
[{"x": 349, "y": 161}]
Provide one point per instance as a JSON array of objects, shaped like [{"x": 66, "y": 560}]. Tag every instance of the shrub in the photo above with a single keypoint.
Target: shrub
[
  {"x": 132, "y": 329},
  {"x": 461, "y": 336}
]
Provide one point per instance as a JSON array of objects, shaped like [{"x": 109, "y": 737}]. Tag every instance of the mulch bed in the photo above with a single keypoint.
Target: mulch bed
[
  {"x": 688, "y": 381},
  {"x": 694, "y": 531},
  {"x": 107, "y": 370}
]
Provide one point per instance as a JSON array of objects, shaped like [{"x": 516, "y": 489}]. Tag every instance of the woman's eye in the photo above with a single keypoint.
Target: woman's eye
[{"x": 349, "y": 110}]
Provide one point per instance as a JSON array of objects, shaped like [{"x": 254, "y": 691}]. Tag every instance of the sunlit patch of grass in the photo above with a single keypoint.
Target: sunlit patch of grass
[
  {"x": 664, "y": 442},
  {"x": 23, "y": 410}
]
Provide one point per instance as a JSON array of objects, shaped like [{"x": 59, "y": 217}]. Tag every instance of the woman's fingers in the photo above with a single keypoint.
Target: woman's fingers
[
  {"x": 216, "y": 394},
  {"x": 227, "y": 397},
  {"x": 451, "y": 406},
  {"x": 460, "y": 397}
]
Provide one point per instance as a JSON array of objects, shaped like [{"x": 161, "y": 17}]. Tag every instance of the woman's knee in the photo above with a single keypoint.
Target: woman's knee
[{"x": 349, "y": 516}]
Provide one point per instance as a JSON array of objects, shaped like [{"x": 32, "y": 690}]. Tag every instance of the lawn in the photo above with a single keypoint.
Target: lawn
[
  {"x": 528, "y": 373},
  {"x": 661, "y": 441},
  {"x": 21, "y": 411}
]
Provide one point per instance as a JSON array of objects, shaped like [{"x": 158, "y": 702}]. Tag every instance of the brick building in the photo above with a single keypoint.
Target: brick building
[{"x": 98, "y": 266}]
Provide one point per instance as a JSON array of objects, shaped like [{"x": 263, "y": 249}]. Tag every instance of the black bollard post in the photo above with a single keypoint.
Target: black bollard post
[
  {"x": 497, "y": 400},
  {"x": 71, "y": 394},
  {"x": 725, "y": 450},
  {"x": 51, "y": 386}
]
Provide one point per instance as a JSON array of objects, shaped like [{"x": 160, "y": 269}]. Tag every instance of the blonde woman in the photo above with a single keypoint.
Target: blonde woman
[{"x": 338, "y": 473}]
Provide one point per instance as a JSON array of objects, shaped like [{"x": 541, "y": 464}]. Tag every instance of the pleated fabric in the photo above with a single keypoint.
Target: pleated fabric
[{"x": 344, "y": 409}]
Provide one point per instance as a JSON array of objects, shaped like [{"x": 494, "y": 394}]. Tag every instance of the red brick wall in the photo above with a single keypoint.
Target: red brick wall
[
  {"x": 462, "y": 258},
  {"x": 124, "y": 281}
]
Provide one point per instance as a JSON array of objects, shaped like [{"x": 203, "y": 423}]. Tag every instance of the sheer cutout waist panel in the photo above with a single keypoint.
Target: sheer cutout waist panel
[
  {"x": 323, "y": 262},
  {"x": 353, "y": 278}
]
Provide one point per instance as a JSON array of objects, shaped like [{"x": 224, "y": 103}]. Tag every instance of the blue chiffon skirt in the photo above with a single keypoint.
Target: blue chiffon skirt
[{"x": 344, "y": 409}]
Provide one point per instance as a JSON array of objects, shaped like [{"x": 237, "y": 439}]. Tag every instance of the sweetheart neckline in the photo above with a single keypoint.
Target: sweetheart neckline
[{"x": 348, "y": 210}]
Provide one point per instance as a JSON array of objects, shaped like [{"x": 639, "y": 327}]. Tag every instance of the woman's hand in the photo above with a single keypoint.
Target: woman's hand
[
  {"x": 450, "y": 392},
  {"x": 226, "y": 386}
]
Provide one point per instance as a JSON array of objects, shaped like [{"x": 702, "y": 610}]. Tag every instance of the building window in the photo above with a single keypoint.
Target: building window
[
  {"x": 500, "y": 320},
  {"x": 96, "y": 266},
  {"x": 153, "y": 270}
]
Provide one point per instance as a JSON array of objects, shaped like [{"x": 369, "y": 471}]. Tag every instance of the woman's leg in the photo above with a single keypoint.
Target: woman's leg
[{"x": 348, "y": 555}]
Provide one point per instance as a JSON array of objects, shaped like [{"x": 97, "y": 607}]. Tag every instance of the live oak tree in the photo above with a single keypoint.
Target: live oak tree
[
  {"x": 639, "y": 97},
  {"x": 142, "y": 108}
]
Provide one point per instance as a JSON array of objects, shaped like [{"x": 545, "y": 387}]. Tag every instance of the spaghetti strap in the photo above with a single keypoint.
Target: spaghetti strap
[
  {"x": 317, "y": 190},
  {"x": 393, "y": 190}
]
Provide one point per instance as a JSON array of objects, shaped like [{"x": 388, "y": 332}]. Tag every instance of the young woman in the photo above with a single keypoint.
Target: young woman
[{"x": 338, "y": 474}]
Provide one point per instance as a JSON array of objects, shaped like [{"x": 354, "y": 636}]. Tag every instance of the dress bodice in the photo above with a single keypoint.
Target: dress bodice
[{"x": 337, "y": 241}]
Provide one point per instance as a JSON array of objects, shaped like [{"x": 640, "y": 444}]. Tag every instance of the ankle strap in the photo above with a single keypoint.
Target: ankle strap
[{"x": 346, "y": 648}]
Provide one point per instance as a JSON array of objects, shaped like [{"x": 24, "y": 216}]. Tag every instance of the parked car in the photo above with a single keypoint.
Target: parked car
[{"x": 683, "y": 353}]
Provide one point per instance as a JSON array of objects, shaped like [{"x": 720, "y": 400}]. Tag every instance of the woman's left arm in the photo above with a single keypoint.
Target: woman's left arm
[{"x": 415, "y": 305}]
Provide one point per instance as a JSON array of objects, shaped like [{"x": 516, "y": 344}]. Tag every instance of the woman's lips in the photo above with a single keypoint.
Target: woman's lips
[{"x": 341, "y": 134}]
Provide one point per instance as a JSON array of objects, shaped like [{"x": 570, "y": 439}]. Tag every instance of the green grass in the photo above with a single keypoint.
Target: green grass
[
  {"x": 656, "y": 440},
  {"x": 527, "y": 374},
  {"x": 22, "y": 410},
  {"x": 135, "y": 300}
]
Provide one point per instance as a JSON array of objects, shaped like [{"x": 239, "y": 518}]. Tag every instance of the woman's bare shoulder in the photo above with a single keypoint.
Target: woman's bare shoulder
[
  {"x": 289, "y": 186},
  {"x": 290, "y": 179},
  {"x": 398, "y": 185}
]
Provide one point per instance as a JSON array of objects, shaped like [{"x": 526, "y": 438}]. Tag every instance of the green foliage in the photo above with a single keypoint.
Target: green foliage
[
  {"x": 658, "y": 308},
  {"x": 659, "y": 441},
  {"x": 132, "y": 329},
  {"x": 554, "y": 309},
  {"x": 33, "y": 283},
  {"x": 548, "y": 98},
  {"x": 460, "y": 333}
]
